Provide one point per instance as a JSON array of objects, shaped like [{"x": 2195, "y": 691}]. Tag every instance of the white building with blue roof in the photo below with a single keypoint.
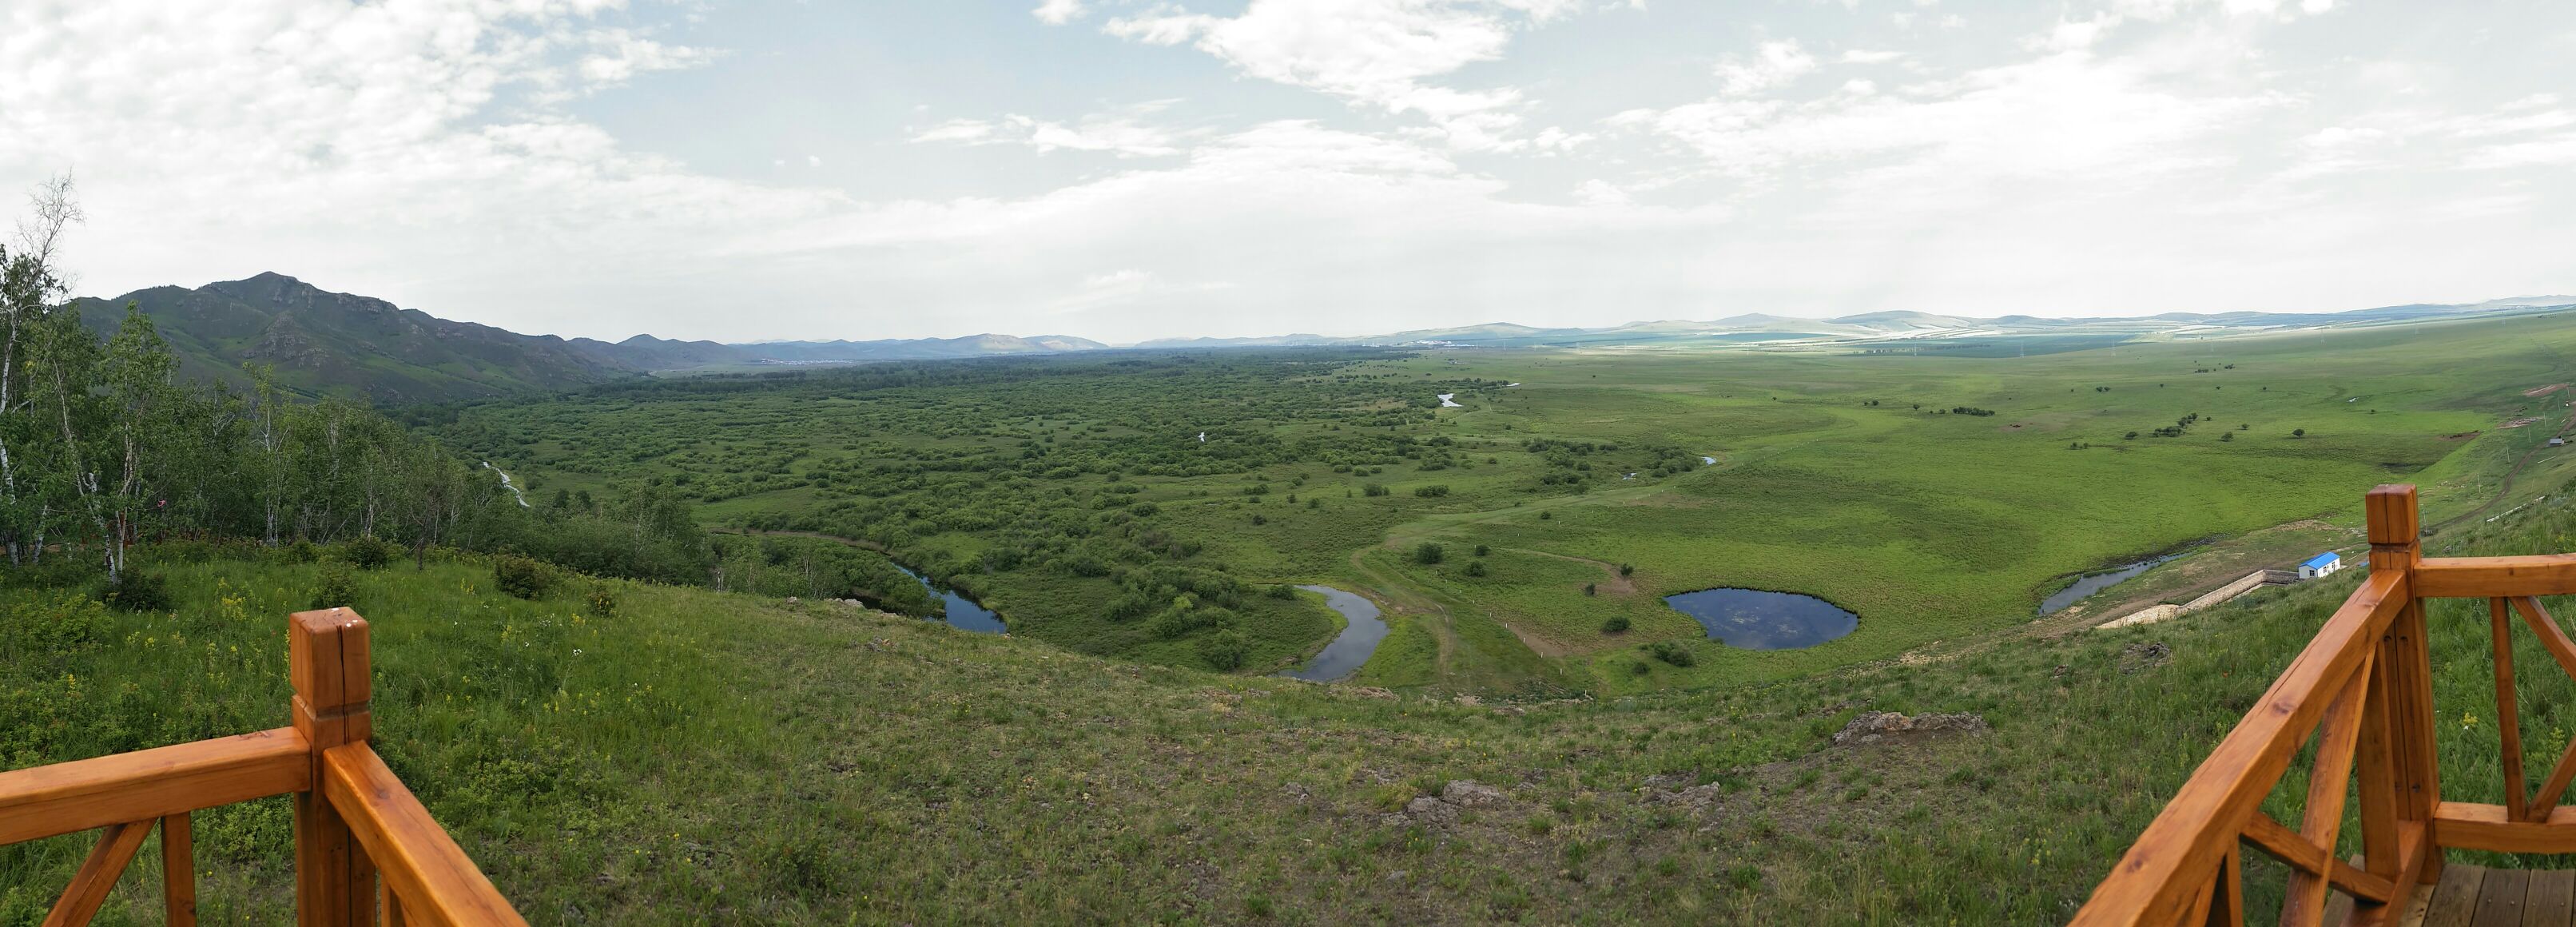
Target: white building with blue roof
[{"x": 2321, "y": 565}]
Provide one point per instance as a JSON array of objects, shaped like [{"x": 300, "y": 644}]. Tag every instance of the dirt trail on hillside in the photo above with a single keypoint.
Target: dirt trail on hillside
[
  {"x": 1612, "y": 583},
  {"x": 2504, "y": 490}
]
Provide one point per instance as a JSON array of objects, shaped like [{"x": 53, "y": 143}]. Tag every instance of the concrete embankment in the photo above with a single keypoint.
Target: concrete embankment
[{"x": 2211, "y": 599}]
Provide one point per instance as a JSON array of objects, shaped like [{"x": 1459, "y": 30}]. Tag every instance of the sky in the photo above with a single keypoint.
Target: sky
[{"x": 1133, "y": 169}]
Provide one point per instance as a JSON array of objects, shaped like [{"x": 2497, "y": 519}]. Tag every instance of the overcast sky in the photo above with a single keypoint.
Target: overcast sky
[{"x": 1123, "y": 170}]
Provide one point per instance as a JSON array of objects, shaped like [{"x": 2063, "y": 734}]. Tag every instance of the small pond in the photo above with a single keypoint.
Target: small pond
[
  {"x": 963, "y": 613},
  {"x": 1446, "y": 404},
  {"x": 1756, "y": 620},
  {"x": 1344, "y": 655},
  {"x": 2088, "y": 585}
]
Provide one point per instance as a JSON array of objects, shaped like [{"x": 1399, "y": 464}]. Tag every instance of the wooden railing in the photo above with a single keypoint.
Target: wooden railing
[
  {"x": 356, "y": 827},
  {"x": 2362, "y": 692}
]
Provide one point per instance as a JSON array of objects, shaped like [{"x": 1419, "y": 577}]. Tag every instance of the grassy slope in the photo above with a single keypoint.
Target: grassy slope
[
  {"x": 1939, "y": 526},
  {"x": 1932, "y": 527},
  {"x": 709, "y": 757}
]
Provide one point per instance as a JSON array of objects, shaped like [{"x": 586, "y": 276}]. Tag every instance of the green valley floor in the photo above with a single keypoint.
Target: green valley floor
[{"x": 702, "y": 757}]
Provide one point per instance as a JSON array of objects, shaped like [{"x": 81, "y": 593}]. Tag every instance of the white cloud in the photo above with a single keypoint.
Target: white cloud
[
  {"x": 2070, "y": 116},
  {"x": 1773, "y": 64},
  {"x": 437, "y": 154},
  {"x": 1381, "y": 54},
  {"x": 1125, "y": 133},
  {"x": 956, "y": 130},
  {"x": 1058, "y": 12},
  {"x": 620, "y": 54}
]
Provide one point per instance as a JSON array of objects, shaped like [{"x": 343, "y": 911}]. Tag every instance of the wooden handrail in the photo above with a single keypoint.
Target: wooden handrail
[
  {"x": 2485, "y": 577},
  {"x": 350, "y": 810},
  {"x": 63, "y": 798},
  {"x": 422, "y": 866},
  {"x": 2369, "y": 656},
  {"x": 2165, "y": 869}
]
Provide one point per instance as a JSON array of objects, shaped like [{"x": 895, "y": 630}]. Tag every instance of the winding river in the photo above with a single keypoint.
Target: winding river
[
  {"x": 1344, "y": 655},
  {"x": 962, "y": 613}
]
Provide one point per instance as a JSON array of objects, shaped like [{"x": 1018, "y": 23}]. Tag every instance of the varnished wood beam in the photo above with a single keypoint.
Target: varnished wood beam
[
  {"x": 436, "y": 882},
  {"x": 2153, "y": 883},
  {"x": 97, "y": 875},
  {"x": 48, "y": 801}
]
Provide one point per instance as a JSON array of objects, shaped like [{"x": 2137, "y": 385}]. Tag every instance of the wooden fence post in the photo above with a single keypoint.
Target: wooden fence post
[
  {"x": 2406, "y": 664},
  {"x": 335, "y": 883}
]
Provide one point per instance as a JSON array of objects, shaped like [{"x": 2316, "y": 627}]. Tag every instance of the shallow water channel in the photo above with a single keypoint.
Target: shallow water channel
[
  {"x": 963, "y": 613},
  {"x": 2088, "y": 585},
  {"x": 1757, "y": 620},
  {"x": 1344, "y": 655}
]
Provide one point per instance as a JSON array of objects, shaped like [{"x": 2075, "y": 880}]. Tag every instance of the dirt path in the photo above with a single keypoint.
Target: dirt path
[
  {"x": 1612, "y": 582},
  {"x": 2504, "y": 490}
]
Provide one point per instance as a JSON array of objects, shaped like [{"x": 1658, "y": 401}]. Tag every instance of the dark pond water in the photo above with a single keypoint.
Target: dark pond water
[
  {"x": 1756, "y": 620},
  {"x": 963, "y": 613},
  {"x": 2088, "y": 585},
  {"x": 1344, "y": 655}
]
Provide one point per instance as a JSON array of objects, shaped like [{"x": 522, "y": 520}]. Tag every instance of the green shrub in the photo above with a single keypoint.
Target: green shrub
[
  {"x": 137, "y": 591},
  {"x": 1627, "y": 569},
  {"x": 1224, "y": 650},
  {"x": 1482, "y": 550},
  {"x": 1373, "y": 489},
  {"x": 1475, "y": 568},
  {"x": 1672, "y": 652},
  {"x": 601, "y": 603},
  {"x": 30, "y": 630},
  {"x": 368, "y": 553},
  {"x": 1427, "y": 552},
  {"x": 339, "y": 588},
  {"x": 1431, "y": 492},
  {"x": 302, "y": 551},
  {"x": 1281, "y": 591},
  {"x": 522, "y": 576},
  {"x": 1614, "y": 624},
  {"x": 1591, "y": 588}
]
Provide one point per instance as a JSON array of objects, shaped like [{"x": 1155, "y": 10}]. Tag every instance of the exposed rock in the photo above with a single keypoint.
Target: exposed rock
[
  {"x": 2144, "y": 656},
  {"x": 1372, "y": 692},
  {"x": 792, "y": 600},
  {"x": 1429, "y": 810},
  {"x": 1697, "y": 796},
  {"x": 1876, "y": 726},
  {"x": 1467, "y": 794}
]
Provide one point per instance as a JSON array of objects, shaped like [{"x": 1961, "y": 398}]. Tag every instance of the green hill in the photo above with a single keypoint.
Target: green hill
[
  {"x": 703, "y": 757},
  {"x": 325, "y": 343}
]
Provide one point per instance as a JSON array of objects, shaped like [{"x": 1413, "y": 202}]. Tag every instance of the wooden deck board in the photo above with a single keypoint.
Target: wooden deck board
[
  {"x": 2500, "y": 898},
  {"x": 2455, "y": 897},
  {"x": 2549, "y": 898}
]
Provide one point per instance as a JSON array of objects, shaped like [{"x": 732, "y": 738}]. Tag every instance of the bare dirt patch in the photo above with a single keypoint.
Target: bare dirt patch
[
  {"x": 2517, "y": 423},
  {"x": 2462, "y": 436},
  {"x": 2544, "y": 390},
  {"x": 1611, "y": 582}
]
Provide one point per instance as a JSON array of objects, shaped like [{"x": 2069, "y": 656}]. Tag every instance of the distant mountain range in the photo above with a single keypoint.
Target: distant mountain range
[{"x": 324, "y": 343}]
